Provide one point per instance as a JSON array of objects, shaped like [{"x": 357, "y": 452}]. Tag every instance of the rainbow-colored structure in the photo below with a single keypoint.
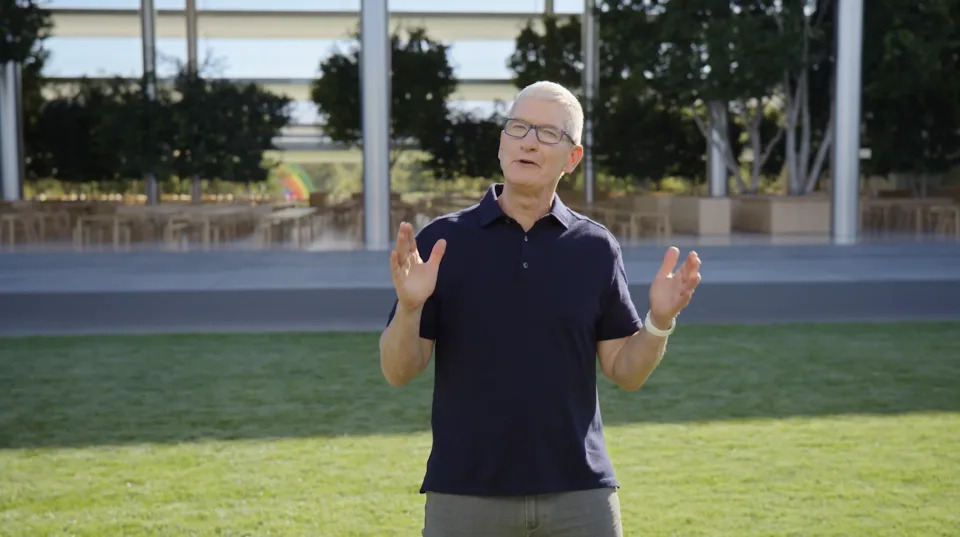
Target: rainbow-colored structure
[{"x": 294, "y": 181}]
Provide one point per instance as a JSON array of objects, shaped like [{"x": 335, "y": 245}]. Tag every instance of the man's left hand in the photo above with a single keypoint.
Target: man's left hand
[{"x": 671, "y": 291}]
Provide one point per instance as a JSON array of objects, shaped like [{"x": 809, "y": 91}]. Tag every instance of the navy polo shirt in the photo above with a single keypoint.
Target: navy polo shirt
[{"x": 516, "y": 317}]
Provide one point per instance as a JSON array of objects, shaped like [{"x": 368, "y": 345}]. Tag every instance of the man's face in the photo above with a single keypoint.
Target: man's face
[{"x": 527, "y": 161}]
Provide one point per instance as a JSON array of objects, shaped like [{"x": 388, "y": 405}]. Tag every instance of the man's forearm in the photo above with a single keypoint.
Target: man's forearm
[
  {"x": 401, "y": 355},
  {"x": 637, "y": 359}
]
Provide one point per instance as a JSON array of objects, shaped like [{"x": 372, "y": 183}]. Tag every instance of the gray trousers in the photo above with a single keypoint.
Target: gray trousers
[{"x": 584, "y": 513}]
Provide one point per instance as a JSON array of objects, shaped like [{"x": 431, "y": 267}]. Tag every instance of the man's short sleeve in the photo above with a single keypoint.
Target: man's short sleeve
[
  {"x": 428, "y": 318},
  {"x": 618, "y": 317},
  {"x": 430, "y": 315}
]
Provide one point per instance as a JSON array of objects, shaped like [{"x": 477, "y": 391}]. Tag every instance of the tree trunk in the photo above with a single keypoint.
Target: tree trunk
[
  {"x": 717, "y": 120},
  {"x": 822, "y": 152},
  {"x": 761, "y": 154},
  {"x": 805, "y": 130},
  {"x": 792, "y": 97}
]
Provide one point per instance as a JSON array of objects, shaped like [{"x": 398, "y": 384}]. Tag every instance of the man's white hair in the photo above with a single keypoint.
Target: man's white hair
[{"x": 551, "y": 91}]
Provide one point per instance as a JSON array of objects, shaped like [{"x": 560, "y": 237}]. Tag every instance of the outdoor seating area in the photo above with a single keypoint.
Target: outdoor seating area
[
  {"x": 117, "y": 226},
  {"x": 85, "y": 225},
  {"x": 900, "y": 212}
]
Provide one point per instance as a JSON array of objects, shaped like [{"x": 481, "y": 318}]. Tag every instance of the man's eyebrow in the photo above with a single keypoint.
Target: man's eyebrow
[{"x": 551, "y": 125}]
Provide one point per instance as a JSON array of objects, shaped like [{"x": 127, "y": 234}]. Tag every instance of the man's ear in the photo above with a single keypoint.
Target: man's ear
[{"x": 576, "y": 154}]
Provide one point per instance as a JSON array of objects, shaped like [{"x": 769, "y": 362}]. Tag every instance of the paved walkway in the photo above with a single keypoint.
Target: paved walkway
[
  {"x": 332, "y": 290},
  {"x": 222, "y": 270}
]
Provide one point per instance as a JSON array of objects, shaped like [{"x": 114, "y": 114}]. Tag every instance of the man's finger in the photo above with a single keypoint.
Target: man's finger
[
  {"x": 437, "y": 253},
  {"x": 396, "y": 262},
  {"x": 402, "y": 247},
  {"x": 669, "y": 261},
  {"x": 691, "y": 266},
  {"x": 693, "y": 282},
  {"x": 412, "y": 242}
]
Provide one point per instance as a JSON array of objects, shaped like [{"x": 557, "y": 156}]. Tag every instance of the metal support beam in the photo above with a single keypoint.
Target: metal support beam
[
  {"x": 845, "y": 168},
  {"x": 716, "y": 163},
  {"x": 11, "y": 132},
  {"x": 375, "y": 93},
  {"x": 589, "y": 75},
  {"x": 149, "y": 38},
  {"x": 192, "y": 35},
  {"x": 548, "y": 7},
  {"x": 196, "y": 189}
]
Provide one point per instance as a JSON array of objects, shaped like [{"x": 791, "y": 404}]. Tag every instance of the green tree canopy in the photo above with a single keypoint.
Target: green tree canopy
[
  {"x": 468, "y": 146},
  {"x": 107, "y": 130},
  {"x": 221, "y": 128},
  {"x": 24, "y": 25},
  {"x": 421, "y": 81},
  {"x": 911, "y": 86},
  {"x": 633, "y": 123}
]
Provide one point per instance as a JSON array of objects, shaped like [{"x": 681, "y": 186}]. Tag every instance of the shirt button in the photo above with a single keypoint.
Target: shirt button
[
  {"x": 525, "y": 239},
  {"x": 525, "y": 264}
]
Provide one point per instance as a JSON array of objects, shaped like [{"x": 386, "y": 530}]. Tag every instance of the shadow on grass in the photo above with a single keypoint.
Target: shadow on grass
[{"x": 76, "y": 391}]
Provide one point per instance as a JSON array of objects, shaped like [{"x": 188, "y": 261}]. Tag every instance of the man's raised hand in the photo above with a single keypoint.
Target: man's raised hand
[
  {"x": 671, "y": 291},
  {"x": 413, "y": 278}
]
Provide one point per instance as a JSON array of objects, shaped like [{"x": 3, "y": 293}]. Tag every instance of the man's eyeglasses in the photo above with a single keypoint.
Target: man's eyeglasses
[{"x": 518, "y": 128}]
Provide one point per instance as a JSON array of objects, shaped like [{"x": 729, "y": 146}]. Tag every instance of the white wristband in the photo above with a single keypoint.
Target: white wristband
[{"x": 654, "y": 331}]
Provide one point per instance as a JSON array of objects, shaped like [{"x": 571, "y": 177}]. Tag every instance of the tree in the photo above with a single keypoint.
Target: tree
[
  {"x": 633, "y": 123},
  {"x": 24, "y": 26},
  {"x": 807, "y": 91},
  {"x": 213, "y": 128},
  {"x": 718, "y": 57},
  {"x": 554, "y": 55},
  {"x": 911, "y": 86},
  {"x": 467, "y": 148},
  {"x": 421, "y": 81},
  {"x": 643, "y": 138},
  {"x": 89, "y": 135},
  {"x": 247, "y": 120}
]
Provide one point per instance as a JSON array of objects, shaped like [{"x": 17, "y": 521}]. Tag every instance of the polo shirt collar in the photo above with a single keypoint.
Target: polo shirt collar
[{"x": 489, "y": 211}]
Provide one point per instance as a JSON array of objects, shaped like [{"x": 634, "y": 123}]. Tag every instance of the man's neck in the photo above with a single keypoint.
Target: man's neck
[{"x": 526, "y": 207}]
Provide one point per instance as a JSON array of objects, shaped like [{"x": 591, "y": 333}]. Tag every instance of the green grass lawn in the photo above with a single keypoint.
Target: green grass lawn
[{"x": 743, "y": 431}]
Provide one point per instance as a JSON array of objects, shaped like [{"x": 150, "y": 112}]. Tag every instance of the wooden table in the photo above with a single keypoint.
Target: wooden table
[
  {"x": 295, "y": 217},
  {"x": 119, "y": 227}
]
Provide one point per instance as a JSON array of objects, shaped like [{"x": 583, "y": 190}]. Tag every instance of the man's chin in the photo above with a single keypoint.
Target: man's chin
[{"x": 527, "y": 180}]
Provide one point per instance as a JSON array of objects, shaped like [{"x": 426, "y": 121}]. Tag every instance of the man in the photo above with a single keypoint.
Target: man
[{"x": 518, "y": 298}]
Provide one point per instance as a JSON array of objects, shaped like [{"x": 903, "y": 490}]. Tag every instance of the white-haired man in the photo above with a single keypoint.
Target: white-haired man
[{"x": 519, "y": 296}]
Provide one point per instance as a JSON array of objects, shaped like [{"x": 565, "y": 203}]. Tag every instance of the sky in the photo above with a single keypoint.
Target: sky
[{"x": 275, "y": 58}]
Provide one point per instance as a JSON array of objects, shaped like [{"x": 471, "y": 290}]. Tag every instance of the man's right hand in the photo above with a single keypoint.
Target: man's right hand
[{"x": 413, "y": 278}]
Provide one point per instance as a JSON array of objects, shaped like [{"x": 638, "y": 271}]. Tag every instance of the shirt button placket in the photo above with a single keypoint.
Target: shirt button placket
[{"x": 526, "y": 251}]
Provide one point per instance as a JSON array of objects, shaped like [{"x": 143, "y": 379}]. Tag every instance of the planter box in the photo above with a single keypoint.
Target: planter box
[
  {"x": 689, "y": 215},
  {"x": 701, "y": 215},
  {"x": 778, "y": 215}
]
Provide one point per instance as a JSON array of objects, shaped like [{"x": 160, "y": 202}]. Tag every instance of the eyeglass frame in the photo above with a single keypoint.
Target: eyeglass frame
[{"x": 536, "y": 131}]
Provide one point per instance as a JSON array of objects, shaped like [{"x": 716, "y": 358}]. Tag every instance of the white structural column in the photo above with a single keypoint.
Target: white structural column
[
  {"x": 590, "y": 71},
  {"x": 716, "y": 162},
  {"x": 375, "y": 93},
  {"x": 11, "y": 153},
  {"x": 196, "y": 192},
  {"x": 192, "y": 35},
  {"x": 846, "y": 149},
  {"x": 148, "y": 37}
]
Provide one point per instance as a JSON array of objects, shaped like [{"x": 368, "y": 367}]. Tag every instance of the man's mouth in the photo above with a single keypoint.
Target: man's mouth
[{"x": 527, "y": 162}]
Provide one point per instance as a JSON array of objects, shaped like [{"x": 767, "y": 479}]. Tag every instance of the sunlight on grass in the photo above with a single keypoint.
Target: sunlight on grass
[{"x": 743, "y": 431}]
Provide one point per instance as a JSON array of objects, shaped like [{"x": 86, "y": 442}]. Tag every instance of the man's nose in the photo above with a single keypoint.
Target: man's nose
[{"x": 529, "y": 140}]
